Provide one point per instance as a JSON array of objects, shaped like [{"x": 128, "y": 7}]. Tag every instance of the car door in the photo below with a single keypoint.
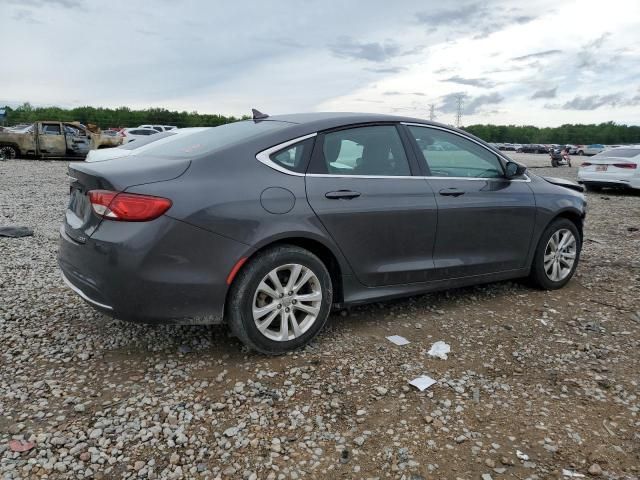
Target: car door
[
  {"x": 77, "y": 139},
  {"x": 485, "y": 220},
  {"x": 383, "y": 219},
  {"x": 51, "y": 141}
]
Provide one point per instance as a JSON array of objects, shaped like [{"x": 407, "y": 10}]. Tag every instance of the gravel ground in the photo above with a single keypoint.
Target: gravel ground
[{"x": 536, "y": 382}]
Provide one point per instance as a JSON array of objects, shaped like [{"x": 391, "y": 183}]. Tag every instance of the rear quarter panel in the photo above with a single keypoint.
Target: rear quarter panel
[{"x": 222, "y": 193}]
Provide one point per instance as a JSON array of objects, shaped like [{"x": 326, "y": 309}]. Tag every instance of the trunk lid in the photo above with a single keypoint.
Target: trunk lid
[{"x": 115, "y": 175}]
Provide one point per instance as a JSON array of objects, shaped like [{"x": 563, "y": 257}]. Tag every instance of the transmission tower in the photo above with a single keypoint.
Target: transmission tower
[
  {"x": 460, "y": 105},
  {"x": 432, "y": 112}
]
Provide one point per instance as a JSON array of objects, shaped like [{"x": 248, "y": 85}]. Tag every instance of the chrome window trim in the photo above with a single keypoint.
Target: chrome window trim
[
  {"x": 264, "y": 156},
  {"x": 419, "y": 177},
  {"x": 500, "y": 155},
  {"x": 83, "y": 295},
  {"x": 339, "y": 175}
]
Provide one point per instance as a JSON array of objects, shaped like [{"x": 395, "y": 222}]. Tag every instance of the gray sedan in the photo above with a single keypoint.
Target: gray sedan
[{"x": 266, "y": 224}]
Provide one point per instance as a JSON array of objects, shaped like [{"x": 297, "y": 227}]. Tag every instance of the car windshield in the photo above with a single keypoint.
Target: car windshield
[
  {"x": 212, "y": 139},
  {"x": 619, "y": 153}
]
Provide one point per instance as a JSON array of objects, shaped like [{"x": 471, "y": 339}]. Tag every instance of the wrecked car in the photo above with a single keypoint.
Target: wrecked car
[{"x": 53, "y": 140}]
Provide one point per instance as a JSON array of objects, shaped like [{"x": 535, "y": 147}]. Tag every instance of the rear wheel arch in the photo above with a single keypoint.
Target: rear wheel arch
[{"x": 319, "y": 249}]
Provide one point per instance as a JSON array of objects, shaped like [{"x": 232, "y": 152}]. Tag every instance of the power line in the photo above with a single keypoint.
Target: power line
[{"x": 460, "y": 106}]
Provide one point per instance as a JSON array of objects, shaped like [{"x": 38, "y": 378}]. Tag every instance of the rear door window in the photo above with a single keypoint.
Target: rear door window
[{"x": 368, "y": 151}]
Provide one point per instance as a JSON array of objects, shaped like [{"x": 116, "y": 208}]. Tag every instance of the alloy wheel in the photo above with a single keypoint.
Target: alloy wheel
[
  {"x": 287, "y": 302},
  {"x": 560, "y": 255}
]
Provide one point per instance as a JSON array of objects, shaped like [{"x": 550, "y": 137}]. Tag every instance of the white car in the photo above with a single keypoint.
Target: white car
[
  {"x": 617, "y": 167},
  {"x": 160, "y": 128},
  {"x": 131, "y": 134},
  {"x": 137, "y": 147}
]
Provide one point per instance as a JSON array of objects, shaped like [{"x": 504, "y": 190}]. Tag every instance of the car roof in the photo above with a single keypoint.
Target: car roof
[{"x": 343, "y": 118}]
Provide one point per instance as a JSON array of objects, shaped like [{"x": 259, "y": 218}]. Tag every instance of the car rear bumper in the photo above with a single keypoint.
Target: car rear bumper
[
  {"x": 612, "y": 179},
  {"x": 164, "y": 271}
]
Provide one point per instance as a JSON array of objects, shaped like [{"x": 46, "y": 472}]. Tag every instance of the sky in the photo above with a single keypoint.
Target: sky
[{"x": 540, "y": 62}]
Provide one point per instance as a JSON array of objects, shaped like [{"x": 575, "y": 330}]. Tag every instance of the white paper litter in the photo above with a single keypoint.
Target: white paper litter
[
  {"x": 571, "y": 473},
  {"x": 522, "y": 456},
  {"x": 422, "y": 382},
  {"x": 398, "y": 340},
  {"x": 440, "y": 349}
]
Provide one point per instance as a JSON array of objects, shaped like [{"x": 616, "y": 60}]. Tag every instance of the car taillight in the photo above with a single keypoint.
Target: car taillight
[
  {"x": 586, "y": 164},
  {"x": 127, "y": 207},
  {"x": 631, "y": 166}
]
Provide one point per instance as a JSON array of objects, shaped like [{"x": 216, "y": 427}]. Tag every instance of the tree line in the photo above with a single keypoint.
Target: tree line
[
  {"x": 608, "y": 133},
  {"x": 115, "y": 117}
]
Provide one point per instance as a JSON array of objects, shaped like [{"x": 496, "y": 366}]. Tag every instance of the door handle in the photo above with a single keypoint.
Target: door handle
[
  {"x": 342, "y": 194},
  {"x": 451, "y": 192}
]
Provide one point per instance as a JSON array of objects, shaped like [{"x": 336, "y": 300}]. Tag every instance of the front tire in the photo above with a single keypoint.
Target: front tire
[
  {"x": 557, "y": 255},
  {"x": 8, "y": 152},
  {"x": 280, "y": 300}
]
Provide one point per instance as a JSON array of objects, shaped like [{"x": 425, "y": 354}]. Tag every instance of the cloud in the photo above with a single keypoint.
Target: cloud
[
  {"x": 53, "y": 3},
  {"x": 470, "y": 105},
  {"x": 549, "y": 93},
  {"x": 386, "y": 69},
  {"x": 25, "y": 16},
  {"x": 448, "y": 16},
  {"x": 593, "y": 102},
  {"x": 545, "y": 53},
  {"x": 474, "y": 17},
  {"x": 589, "y": 55},
  {"x": 347, "y": 47},
  {"x": 474, "y": 82}
]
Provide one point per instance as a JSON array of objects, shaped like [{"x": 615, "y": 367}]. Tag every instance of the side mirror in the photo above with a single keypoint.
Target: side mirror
[{"x": 513, "y": 169}]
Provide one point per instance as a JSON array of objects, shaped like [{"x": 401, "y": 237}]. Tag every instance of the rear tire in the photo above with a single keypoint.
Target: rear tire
[
  {"x": 544, "y": 274},
  {"x": 592, "y": 188},
  {"x": 554, "y": 163},
  {"x": 263, "y": 298}
]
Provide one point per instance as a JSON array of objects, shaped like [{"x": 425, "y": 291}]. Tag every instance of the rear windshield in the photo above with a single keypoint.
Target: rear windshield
[
  {"x": 140, "y": 142},
  {"x": 212, "y": 139},
  {"x": 619, "y": 153}
]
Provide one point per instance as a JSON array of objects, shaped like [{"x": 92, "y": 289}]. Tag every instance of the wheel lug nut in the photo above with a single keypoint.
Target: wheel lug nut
[
  {"x": 286, "y": 309},
  {"x": 294, "y": 301},
  {"x": 290, "y": 293},
  {"x": 281, "y": 295},
  {"x": 279, "y": 305}
]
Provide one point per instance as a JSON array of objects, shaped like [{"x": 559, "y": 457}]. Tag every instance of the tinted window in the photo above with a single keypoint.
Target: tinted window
[
  {"x": 294, "y": 157},
  {"x": 158, "y": 128},
  {"x": 450, "y": 155},
  {"x": 375, "y": 150},
  {"x": 51, "y": 129},
  {"x": 214, "y": 138}
]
